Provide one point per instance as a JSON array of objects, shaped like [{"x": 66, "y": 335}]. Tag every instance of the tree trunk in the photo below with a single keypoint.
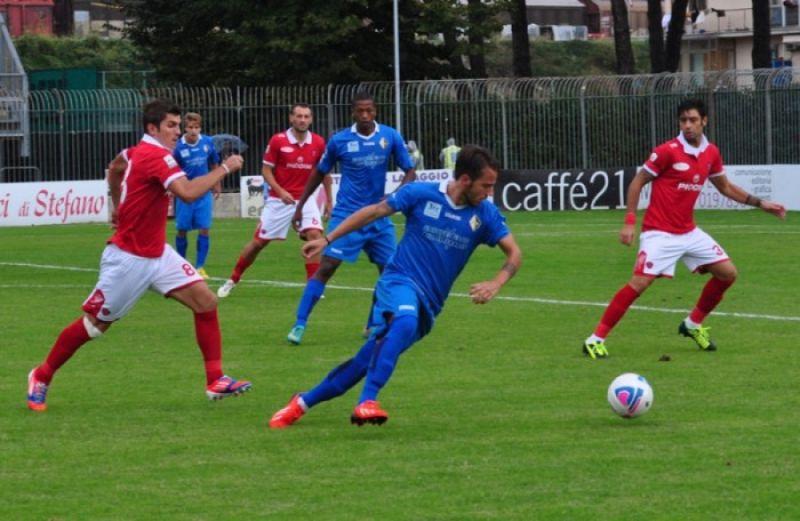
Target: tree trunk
[
  {"x": 762, "y": 57},
  {"x": 674, "y": 35},
  {"x": 622, "y": 38},
  {"x": 477, "y": 60},
  {"x": 520, "y": 42},
  {"x": 654, "y": 16}
]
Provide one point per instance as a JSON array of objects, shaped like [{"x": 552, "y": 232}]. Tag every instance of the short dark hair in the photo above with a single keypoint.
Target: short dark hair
[
  {"x": 300, "y": 105},
  {"x": 692, "y": 104},
  {"x": 155, "y": 111},
  {"x": 361, "y": 95},
  {"x": 471, "y": 161}
]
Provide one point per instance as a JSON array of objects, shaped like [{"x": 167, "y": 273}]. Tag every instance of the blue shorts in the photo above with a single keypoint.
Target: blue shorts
[
  {"x": 396, "y": 296},
  {"x": 376, "y": 239},
  {"x": 195, "y": 215}
]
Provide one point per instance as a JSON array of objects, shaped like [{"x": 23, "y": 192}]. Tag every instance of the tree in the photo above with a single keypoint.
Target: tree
[
  {"x": 672, "y": 58},
  {"x": 622, "y": 38},
  {"x": 520, "y": 41},
  {"x": 762, "y": 57},
  {"x": 250, "y": 42},
  {"x": 656, "y": 38},
  {"x": 476, "y": 15}
]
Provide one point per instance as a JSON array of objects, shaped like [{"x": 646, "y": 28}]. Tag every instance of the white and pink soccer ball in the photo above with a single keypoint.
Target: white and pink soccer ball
[{"x": 630, "y": 395}]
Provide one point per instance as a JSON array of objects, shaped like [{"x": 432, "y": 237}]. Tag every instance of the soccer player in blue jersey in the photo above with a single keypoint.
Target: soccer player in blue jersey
[
  {"x": 363, "y": 152},
  {"x": 196, "y": 155},
  {"x": 444, "y": 225}
]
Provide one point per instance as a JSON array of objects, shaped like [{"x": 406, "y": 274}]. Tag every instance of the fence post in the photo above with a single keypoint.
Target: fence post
[
  {"x": 768, "y": 117},
  {"x": 61, "y": 137},
  {"x": 653, "y": 131},
  {"x": 584, "y": 133},
  {"x": 504, "y": 123}
]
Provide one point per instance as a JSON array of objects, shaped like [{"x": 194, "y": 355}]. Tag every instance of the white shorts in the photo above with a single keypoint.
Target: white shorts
[
  {"x": 276, "y": 218},
  {"x": 124, "y": 277},
  {"x": 659, "y": 252}
]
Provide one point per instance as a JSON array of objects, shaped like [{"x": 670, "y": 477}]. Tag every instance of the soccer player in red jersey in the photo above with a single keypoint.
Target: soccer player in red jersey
[
  {"x": 288, "y": 160},
  {"x": 678, "y": 169},
  {"x": 137, "y": 257}
]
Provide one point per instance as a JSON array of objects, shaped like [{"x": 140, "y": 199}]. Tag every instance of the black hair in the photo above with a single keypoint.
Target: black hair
[
  {"x": 300, "y": 105},
  {"x": 692, "y": 104},
  {"x": 361, "y": 95},
  {"x": 154, "y": 112},
  {"x": 472, "y": 160}
]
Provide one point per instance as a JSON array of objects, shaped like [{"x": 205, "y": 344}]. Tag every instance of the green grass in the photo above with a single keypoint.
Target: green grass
[{"x": 495, "y": 415}]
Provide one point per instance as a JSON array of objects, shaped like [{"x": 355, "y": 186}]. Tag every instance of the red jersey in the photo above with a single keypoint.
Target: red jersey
[
  {"x": 144, "y": 201},
  {"x": 292, "y": 161},
  {"x": 681, "y": 171}
]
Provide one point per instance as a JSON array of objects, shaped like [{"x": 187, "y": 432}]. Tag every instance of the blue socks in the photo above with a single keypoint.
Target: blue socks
[
  {"x": 311, "y": 295},
  {"x": 402, "y": 333},
  {"x": 376, "y": 360},
  {"x": 203, "y": 244},
  {"x": 342, "y": 378},
  {"x": 181, "y": 244}
]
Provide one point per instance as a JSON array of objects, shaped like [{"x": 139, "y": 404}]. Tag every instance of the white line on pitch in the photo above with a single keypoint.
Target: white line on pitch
[{"x": 538, "y": 300}]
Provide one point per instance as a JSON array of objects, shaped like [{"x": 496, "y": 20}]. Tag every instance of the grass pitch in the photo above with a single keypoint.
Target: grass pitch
[{"x": 495, "y": 415}]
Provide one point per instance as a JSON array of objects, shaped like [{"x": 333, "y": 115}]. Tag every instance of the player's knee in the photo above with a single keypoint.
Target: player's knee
[
  {"x": 326, "y": 270},
  {"x": 91, "y": 329},
  {"x": 206, "y": 301},
  {"x": 728, "y": 275},
  {"x": 404, "y": 327}
]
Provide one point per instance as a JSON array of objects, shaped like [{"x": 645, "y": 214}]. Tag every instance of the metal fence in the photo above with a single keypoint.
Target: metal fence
[{"x": 558, "y": 123}]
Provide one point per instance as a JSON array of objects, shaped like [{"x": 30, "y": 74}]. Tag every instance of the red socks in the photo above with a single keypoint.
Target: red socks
[
  {"x": 615, "y": 310},
  {"x": 70, "y": 340},
  {"x": 311, "y": 269},
  {"x": 241, "y": 265},
  {"x": 712, "y": 294},
  {"x": 209, "y": 338}
]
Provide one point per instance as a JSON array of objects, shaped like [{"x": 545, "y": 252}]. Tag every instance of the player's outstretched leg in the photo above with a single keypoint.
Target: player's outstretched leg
[
  {"x": 711, "y": 296},
  {"x": 68, "y": 342},
  {"x": 246, "y": 259},
  {"x": 594, "y": 346},
  {"x": 336, "y": 383},
  {"x": 401, "y": 335},
  {"x": 313, "y": 291}
]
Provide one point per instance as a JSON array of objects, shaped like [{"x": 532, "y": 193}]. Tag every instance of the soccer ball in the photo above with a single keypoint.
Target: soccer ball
[{"x": 630, "y": 395}]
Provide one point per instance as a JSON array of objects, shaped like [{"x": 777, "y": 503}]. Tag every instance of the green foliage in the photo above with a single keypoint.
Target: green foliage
[
  {"x": 257, "y": 43},
  {"x": 50, "y": 52},
  {"x": 494, "y": 416},
  {"x": 558, "y": 59}
]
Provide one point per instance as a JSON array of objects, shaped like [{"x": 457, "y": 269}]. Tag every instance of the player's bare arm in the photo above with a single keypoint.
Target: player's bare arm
[
  {"x": 189, "y": 191},
  {"x": 277, "y": 189},
  {"x": 327, "y": 185},
  {"x": 735, "y": 192},
  {"x": 116, "y": 173},
  {"x": 483, "y": 292},
  {"x": 217, "y": 190},
  {"x": 410, "y": 177},
  {"x": 634, "y": 192},
  {"x": 314, "y": 180},
  {"x": 357, "y": 220}
]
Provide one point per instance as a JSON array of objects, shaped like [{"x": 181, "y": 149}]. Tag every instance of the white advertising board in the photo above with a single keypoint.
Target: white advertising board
[
  {"x": 780, "y": 183},
  {"x": 62, "y": 202}
]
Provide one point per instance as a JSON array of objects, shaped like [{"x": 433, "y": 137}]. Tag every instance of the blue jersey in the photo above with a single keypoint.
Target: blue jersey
[
  {"x": 439, "y": 238},
  {"x": 363, "y": 161},
  {"x": 195, "y": 159}
]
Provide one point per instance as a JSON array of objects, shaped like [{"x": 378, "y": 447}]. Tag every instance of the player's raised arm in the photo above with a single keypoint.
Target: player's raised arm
[
  {"x": 483, "y": 292},
  {"x": 116, "y": 173},
  {"x": 735, "y": 192},
  {"x": 355, "y": 221},
  {"x": 634, "y": 191},
  {"x": 189, "y": 191}
]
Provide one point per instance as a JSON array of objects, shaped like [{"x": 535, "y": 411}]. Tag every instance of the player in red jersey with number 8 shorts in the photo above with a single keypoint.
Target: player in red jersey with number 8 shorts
[
  {"x": 137, "y": 257},
  {"x": 678, "y": 169}
]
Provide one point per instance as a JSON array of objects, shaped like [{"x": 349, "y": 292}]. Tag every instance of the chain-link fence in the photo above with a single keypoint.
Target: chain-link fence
[{"x": 558, "y": 123}]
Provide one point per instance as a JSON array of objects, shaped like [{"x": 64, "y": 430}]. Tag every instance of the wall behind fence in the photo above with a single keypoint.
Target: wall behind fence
[{"x": 546, "y": 123}]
